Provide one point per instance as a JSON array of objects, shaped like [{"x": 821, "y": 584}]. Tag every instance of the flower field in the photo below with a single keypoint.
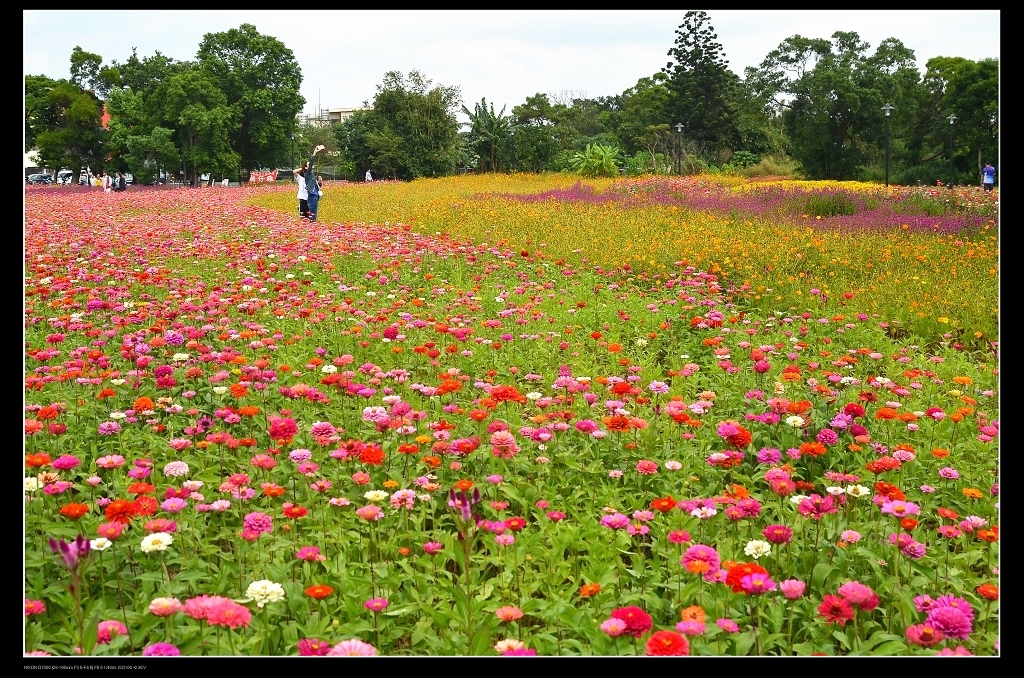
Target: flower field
[{"x": 519, "y": 415}]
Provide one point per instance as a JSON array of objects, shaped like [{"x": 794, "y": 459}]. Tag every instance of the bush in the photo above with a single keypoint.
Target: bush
[{"x": 829, "y": 205}]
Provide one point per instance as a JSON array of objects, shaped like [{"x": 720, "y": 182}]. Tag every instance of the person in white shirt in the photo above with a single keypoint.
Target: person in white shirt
[
  {"x": 300, "y": 177},
  {"x": 107, "y": 184},
  {"x": 369, "y": 177}
]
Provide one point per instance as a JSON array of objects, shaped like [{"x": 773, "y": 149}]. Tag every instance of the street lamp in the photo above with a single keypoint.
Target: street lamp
[
  {"x": 679, "y": 148},
  {"x": 952, "y": 119},
  {"x": 888, "y": 109},
  {"x": 293, "y": 149}
]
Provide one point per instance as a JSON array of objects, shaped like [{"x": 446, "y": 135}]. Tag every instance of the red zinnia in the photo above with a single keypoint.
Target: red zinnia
[
  {"x": 372, "y": 455},
  {"x": 835, "y": 610},
  {"x": 739, "y": 571},
  {"x": 667, "y": 644},
  {"x": 663, "y": 504},
  {"x": 74, "y": 511},
  {"x": 145, "y": 506},
  {"x": 637, "y": 621},
  {"x": 141, "y": 488},
  {"x": 295, "y": 511},
  {"x": 120, "y": 511},
  {"x": 319, "y": 591}
]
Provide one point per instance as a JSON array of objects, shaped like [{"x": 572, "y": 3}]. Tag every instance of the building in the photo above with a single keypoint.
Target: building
[{"x": 330, "y": 116}]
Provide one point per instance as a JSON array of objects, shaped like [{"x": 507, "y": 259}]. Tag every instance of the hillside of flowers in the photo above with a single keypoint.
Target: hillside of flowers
[{"x": 512, "y": 416}]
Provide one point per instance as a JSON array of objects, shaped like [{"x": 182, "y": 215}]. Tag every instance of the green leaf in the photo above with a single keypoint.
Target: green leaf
[
  {"x": 890, "y": 647},
  {"x": 744, "y": 641}
]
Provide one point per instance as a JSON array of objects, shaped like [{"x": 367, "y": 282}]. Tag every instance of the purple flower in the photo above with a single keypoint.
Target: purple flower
[{"x": 951, "y": 621}]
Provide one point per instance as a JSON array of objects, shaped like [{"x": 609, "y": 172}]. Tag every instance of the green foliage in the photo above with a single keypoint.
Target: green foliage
[
  {"x": 489, "y": 136},
  {"x": 596, "y": 160},
  {"x": 704, "y": 93},
  {"x": 829, "y": 204},
  {"x": 261, "y": 79}
]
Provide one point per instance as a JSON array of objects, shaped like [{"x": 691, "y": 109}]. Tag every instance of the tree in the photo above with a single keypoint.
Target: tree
[
  {"x": 87, "y": 72},
  {"x": 970, "y": 91},
  {"x": 488, "y": 135},
  {"x": 204, "y": 124},
  {"x": 835, "y": 93},
  {"x": 261, "y": 79},
  {"x": 703, "y": 90},
  {"x": 136, "y": 145},
  {"x": 413, "y": 126},
  {"x": 66, "y": 125}
]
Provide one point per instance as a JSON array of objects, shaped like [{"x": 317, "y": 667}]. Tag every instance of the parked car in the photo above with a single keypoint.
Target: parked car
[
  {"x": 39, "y": 179},
  {"x": 64, "y": 177}
]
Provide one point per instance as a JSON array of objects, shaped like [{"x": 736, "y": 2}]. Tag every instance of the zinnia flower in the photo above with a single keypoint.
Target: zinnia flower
[
  {"x": 835, "y": 610},
  {"x": 637, "y": 621},
  {"x": 352, "y": 648},
  {"x": 667, "y": 644}
]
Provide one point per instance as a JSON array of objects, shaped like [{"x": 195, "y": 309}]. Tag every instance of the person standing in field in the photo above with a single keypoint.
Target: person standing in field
[
  {"x": 300, "y": 178},
  {"x": 107, "y": 183},
  {"x": 312, "y": 186},
  {"x": 988, "y": 177},
  {"x": 369, "y": 177}
]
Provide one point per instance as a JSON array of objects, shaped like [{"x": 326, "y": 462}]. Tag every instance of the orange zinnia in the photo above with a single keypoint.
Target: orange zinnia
[
  {"x": 972, "y": 493},
  {"x": 988, "y": 591},
  {"x": 145, "y": 506},
  {"x": 464, "y": 485},
  {"x": 692, "y": 613},
  {"x": 319, "y": 591},
  {"x": 74, "y": 511},
  {"x": 663, "y": 504},
  {"x": 141, "y": 488},
  {"x": 120, "y": 511},
  {"x": 588, "y": 590},
  {"x": 143, "y": 403}
]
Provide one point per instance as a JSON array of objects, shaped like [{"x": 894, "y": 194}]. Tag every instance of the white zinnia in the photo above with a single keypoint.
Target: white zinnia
[
  {"x": 795, "y": 421},
  {"x": 100, "y": 544},
  {"x": 376, "y": 496},
  {"x": 857, "y": 491},
  {"x": 329, "y": 369},
  {"x": 756, "y": 548},
  {"x": 264, "y": 591},
  {"x": 158, "y": 541},
  {"x": 31, "y": 484}
]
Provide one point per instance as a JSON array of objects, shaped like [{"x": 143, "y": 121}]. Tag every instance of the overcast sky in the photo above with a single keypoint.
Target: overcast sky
[{"x": 501, "y": 55}]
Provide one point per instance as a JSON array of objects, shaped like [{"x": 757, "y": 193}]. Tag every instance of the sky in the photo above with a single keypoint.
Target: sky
[{"x": 503, "y": 56}]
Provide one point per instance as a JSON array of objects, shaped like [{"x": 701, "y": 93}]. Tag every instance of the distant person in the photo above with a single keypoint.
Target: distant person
[
  {"x": 988, "y": 177},
  {"x": 320, "y": 185},
  {"x": 300, "y": 178},
  {"x": 119, "y": 183},
  {"x": 369, "y": 177},
  {"x": 106, "y": 182},
  {"x": 312, "y": 187}
]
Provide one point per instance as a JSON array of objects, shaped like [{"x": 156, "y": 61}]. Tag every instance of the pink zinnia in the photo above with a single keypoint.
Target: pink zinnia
[
  {"x": 856, "y": 594},
  {"x": 34, "y": 607},
  {"x": 691, "y": 628},
  {"x": 310, "y": 554},
  {"x": 816, "y": 506},
  {"x": 65, "y": 462},
  {"x": 432, "y": 548},
  {"x": 613, "y": 627},
  {"x": 352, "y": 648},
  {"x": 700, "y": 559},
  {"x": 165, "y": 607},
  {"x": 312, "y": 647},
  {"x": 376, "y": 604},
  {"x": 106, "y": 630},
  {"x": 161, "y": 650},
  {"x": 508, "y": 613},
  {"x": 646, "y": 467},
  {"x": 199, "y": 607},
  {"x": 951, "y": 621},
  {"x": 258, "y": 522},
  {"x": 637, "y": 621},
  {"x": 924, "y": 635},
  {"x": 778, "y": 534},
  {"x": 792, "y": 588},
  {"x": 228, "y": 613},
  {"x": 370, "y": 512}
]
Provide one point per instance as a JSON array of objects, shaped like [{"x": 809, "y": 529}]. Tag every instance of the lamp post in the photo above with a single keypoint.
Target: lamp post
[
  {"x": 888, "y": 109},
  {"x": 679, "y": 147},
  {"x": 293, "y": 149},
  {"x": 952, "y": 119}
]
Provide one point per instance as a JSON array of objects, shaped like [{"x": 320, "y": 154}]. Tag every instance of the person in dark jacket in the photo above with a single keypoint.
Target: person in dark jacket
[{"x": 312, "y": 187}]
